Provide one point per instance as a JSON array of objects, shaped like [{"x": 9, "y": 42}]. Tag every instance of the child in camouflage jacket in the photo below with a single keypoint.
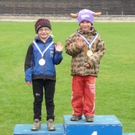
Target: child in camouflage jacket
[{"x": 86, "y": 48}]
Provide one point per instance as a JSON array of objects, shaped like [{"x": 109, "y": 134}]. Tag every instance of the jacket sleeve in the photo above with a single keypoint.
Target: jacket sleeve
[
  {"x": 58, "y": 57},
  {"x": 97, "y": 56},
  {"x": 71, "y": 47},
  {"x": 28, "y": 64}
]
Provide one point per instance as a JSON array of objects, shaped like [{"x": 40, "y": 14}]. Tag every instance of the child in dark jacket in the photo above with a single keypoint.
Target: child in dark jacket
[
  {"x": 40, "y": 72},
  {"x": 87, "y": 49}
]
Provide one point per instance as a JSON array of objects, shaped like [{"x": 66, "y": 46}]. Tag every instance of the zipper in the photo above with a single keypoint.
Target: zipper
[{"x": 45, "y": 61}]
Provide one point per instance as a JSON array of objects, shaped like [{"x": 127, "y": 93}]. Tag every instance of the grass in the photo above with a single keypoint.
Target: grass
[{"x": 115, "y": 83}]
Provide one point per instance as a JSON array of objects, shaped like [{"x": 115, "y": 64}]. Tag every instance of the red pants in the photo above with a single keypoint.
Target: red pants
[{"x": 83, "y": 95}]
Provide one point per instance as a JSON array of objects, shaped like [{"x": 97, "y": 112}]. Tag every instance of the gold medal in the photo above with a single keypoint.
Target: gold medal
[{"x": 89, "y": 53}]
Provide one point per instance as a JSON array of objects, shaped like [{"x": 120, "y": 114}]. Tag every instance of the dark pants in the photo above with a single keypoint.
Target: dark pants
[{"x": 49, "y": 86}]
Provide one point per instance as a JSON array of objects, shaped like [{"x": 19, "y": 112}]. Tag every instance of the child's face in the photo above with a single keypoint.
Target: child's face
[
  {"x": 85, "y": 25},
  {"x": 44, "y": 32}
]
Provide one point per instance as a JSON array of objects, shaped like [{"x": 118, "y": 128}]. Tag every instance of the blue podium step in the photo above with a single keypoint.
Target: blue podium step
[
  {"x": 102, "y": 125},
  {"x": 25, "y": 129}
]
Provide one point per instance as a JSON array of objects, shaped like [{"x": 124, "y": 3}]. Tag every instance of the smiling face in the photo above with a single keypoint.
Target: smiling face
[
  {"x": 85, "y": 25},
  {"x": 44, "y": 33}
]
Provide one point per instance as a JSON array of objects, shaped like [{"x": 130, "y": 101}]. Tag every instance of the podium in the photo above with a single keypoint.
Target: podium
[
  {"x": 25, "y": 129},
  {"x": 102, "y": 125}
]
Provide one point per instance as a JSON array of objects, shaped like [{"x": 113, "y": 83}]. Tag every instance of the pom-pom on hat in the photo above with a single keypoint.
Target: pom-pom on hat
[
  {"x": 86, "y": 15},
  {"x": 42, "y": 23}
]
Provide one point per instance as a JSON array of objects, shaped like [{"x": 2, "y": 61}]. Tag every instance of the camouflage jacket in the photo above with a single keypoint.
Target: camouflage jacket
[{"x": 79, "y": 54}]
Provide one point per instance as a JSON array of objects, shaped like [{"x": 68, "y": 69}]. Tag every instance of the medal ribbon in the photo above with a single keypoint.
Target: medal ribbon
[
  {"x": 42, "y": 54},
  {"x": 87, "y": 40}
]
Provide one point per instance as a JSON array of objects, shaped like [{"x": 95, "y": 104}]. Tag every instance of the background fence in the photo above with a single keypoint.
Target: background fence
[{"x": 65, "y": 7}]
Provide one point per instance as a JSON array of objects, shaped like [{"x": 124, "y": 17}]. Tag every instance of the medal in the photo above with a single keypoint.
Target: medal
[
  {"x": 89, "y": 53},
  {"x": 41, "y": 62}
]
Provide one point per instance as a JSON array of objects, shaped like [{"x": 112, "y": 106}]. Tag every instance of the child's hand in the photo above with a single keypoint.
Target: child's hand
[
  {"x": 87, "y": 64},
  {"x": 80, "y": 42},
  {"x": 58, "y": 47},
  {"x": 29, "y": 83}
]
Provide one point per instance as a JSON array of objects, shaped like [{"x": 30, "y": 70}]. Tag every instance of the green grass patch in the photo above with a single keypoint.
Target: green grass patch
[{"x": 115, "y": 83}]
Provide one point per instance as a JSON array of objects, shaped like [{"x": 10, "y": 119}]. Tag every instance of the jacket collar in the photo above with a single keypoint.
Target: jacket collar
[
  {"x": 37, "y": 39},
  {"x": 91, "y": 32}
]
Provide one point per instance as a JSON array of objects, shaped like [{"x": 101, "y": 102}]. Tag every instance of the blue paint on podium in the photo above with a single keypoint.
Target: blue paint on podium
[
  {"x": 102, "y": 125},
  {"x": 25, "y": 129}
]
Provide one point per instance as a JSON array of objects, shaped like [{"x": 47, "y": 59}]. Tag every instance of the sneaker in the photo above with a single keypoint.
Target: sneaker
[
  {"x": 75, "y": 117},
  {"x": 89, "y": 118},
  {"x": 37, "y": 125},
  {"x": 50, "y": 125}
]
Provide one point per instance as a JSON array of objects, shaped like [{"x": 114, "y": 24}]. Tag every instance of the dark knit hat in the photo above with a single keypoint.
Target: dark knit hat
[{"x": 42, "y": 23}]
